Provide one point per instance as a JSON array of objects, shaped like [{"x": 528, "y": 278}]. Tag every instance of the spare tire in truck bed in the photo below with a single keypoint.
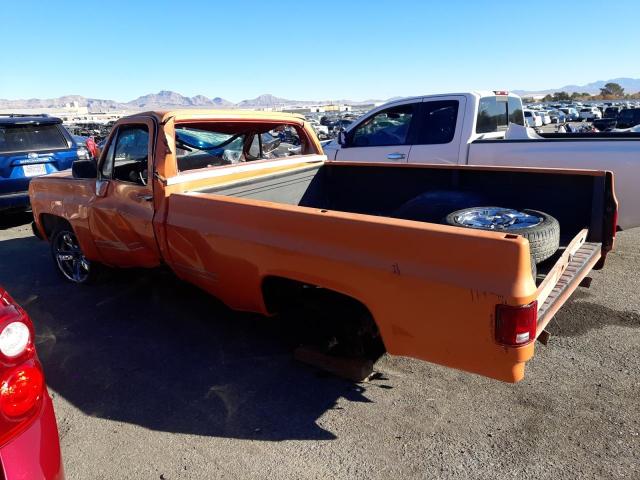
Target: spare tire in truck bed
[{"x": 541, "y": 229}]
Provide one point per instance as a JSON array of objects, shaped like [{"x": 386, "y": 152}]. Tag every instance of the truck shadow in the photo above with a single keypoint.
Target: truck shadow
[
  {"x": 148, "y": 349},
  {"x": 14, "y": 219}
]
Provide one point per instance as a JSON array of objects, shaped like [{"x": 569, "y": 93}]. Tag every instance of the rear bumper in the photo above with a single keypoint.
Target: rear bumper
[
  {"x": 35, "y": 453},
  {"x": 19, "y": 200}
]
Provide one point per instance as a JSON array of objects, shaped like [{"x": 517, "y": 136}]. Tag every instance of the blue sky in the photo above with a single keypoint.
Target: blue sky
[{"x": 311, "y": 49}]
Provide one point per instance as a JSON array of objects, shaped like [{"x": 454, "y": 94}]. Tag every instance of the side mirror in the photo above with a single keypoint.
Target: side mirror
[
  {"x": 84, "y": 169},
  {"x": 342, "y": 137}
]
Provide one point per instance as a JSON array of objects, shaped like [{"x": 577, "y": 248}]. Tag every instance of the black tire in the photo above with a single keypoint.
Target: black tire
[
  {"x": 74, "y": 267},
  {"x": 435, "y": 205},
  {"x": 544, "y": 238},
  {"x": 534, "y": 270}
]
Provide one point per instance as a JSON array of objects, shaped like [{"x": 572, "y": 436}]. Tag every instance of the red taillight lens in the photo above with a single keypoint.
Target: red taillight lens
[
  {"x": 21, "y": 390},
  {"x": 516, "y": 326},
  {"x": 22, "y": 386}
]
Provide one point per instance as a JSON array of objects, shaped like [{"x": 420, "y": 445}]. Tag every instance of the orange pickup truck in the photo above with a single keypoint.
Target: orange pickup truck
[{"x": 456, "y": 265}]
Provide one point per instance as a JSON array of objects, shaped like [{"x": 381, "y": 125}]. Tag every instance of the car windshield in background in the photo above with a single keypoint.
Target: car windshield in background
[
  {"x": 495, "y": 115},
  {"x": 31, "y": 138},
  {"x": 197, "y": 148}
]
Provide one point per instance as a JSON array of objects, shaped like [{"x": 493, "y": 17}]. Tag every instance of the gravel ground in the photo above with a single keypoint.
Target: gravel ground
[{"x": 153, "y": 379}]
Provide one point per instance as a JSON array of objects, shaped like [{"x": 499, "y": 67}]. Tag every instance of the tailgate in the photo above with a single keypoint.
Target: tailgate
[{"x": 575, "y": 263}]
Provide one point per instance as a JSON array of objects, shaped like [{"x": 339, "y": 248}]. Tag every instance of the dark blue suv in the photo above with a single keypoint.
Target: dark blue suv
[{"x": 31, "y": 146}]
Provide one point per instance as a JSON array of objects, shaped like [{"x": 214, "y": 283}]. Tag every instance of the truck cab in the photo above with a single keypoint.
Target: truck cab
[{"x": 432, "y": 126}]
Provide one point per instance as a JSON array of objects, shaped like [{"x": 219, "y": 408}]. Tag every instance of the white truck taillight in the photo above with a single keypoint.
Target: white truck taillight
[
  {"x": 14, "y": 339},
  {"x": 516, "y": 325}
]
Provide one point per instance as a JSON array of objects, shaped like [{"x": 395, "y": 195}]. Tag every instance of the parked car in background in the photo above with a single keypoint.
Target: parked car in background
[
  {"x": 340, "y": 124},
  {"x": 87, "y": 142},
  {"x": 611, "y": 112},
  {"x": 557, "y": 116},
  {"x": 571, "y": 113},
  {"x": 532, "y": 118},
  {"x": 628, "y": 117},
  {"x": 29, "y": 442},
  {"x": 604, "y": 124},
  {"x": 322, "y": 131},
  {"x": 31, "y": 146},
  {"x": 590, "y": 113},
  {"x": 544, "y": 115}
]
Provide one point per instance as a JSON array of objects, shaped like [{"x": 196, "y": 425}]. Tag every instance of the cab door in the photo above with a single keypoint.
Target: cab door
[
  {"x": 121, "y": 215},
  {"x": 383, "y": 136},
  {"x": 438, "y": 137}
]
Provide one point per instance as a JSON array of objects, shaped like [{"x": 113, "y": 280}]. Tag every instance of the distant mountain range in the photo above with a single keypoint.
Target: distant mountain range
[
  {"x": 168, "y": 99},
  {"x": 162, "y": 99},
  {"x": 630, "y": 85}
]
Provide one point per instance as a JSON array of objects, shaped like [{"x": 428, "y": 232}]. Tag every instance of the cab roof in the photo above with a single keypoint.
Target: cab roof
[
  {"x": 473, "y": 93},
  {"x": 205, "y": 114}
]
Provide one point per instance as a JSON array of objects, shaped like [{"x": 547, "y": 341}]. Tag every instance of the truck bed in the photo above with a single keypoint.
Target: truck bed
[
  {"x": 384, "y": 191},
  {"x": 431, "y": 289}
]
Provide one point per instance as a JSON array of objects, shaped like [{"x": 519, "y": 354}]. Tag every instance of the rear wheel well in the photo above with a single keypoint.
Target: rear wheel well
[
  {"x": 336, "y": 322},
  {"x": 281, "y": 292},
  {"x": 50, "y": 223}
]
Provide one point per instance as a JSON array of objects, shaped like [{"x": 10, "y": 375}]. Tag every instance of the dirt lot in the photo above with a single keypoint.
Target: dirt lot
[{"x": 153, "y": 379}]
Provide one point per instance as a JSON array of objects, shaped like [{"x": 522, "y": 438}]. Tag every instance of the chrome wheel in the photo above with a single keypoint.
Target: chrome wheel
[
  {"x": 69, "y": 258},
  {"x": 495, "y": 218}
]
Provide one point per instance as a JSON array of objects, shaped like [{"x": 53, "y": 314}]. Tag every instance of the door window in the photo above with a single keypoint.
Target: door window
[
  {"x": 385, "y": 128},
  {"x": 438, "y": 122},
  {"x": 126, "y": 159}
]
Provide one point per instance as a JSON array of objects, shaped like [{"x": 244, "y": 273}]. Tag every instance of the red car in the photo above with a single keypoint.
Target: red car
[{"x": 29, "y": 443}]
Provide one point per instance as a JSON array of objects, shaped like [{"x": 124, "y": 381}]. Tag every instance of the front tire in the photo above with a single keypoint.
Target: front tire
[{"x": 69, "y": 259}]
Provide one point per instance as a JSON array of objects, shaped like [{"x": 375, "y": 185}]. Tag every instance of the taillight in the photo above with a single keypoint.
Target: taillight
[
  {"x": 14, "y": 339},
  {"x": 83, "y": 153},
  {"x": 21, "y": 390},
  {"x": 516, "y": 326},
  {"x": 22, "y": 385}
]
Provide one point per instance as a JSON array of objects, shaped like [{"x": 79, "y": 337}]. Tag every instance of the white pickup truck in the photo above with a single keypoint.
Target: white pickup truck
[{"x": 482, "y": 128}]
